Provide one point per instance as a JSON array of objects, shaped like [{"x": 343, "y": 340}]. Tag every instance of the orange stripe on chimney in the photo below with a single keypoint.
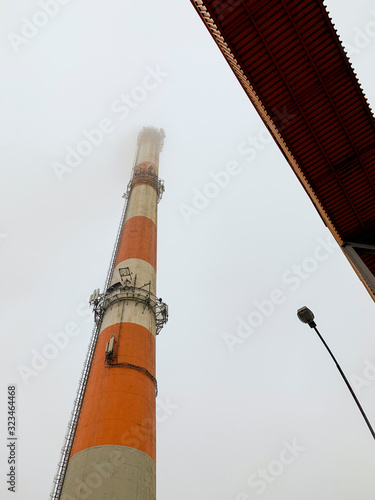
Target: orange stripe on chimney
[
  {"x": 138, "y": 241},
  {"x": 119, "y": 405}
]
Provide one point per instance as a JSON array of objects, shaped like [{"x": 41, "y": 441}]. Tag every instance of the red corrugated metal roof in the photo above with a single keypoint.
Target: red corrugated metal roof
[{"x": 289, "y": 59}]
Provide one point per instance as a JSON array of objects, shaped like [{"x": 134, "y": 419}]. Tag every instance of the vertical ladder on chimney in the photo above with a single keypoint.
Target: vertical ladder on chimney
[
  {"x": 69, "y": 437},
  {"x": 72, "y": 425}
]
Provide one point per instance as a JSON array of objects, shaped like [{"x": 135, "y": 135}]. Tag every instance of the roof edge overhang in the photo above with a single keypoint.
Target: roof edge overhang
[{"x": 227, "y": 52}]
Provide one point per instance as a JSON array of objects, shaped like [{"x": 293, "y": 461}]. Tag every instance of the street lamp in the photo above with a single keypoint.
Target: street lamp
[{"x": 306, "y": 316}]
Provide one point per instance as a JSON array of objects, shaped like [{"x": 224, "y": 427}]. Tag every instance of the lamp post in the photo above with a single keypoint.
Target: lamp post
[{"x": 306, "y": 316}]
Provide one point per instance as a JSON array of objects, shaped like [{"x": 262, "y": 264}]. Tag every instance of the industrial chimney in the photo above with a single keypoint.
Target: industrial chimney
[{"x": 110, "y": 448}]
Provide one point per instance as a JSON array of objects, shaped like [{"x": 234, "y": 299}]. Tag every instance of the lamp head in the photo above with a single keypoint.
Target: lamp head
[{"x": 306, "y": 316}]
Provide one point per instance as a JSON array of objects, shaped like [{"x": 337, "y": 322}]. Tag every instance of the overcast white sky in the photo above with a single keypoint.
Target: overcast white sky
[{"x": 228, "y": 406}]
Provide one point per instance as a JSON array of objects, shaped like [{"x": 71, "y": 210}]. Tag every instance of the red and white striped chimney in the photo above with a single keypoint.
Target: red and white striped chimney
[{"x": 114, "y": 448}]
